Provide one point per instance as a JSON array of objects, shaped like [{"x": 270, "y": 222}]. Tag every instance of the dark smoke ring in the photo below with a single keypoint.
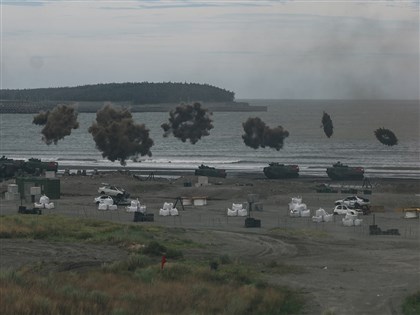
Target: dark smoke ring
[{"x": 386, "y": 136}]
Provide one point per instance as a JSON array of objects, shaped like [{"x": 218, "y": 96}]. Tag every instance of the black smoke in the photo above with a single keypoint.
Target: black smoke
[
  {"x": 118, "y": 137},
  {"x": 57, "y": 123},
  {"x": 188, "y": 122},
  {"x": 386, "y": 136},
  {"x": 327, "y": 124},
  {"x": 258, "y": 134}
]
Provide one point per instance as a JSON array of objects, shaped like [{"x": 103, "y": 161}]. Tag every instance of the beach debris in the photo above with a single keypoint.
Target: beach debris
[
  {"x": 386, "y": 136},
  {"x": 237, "y": 210},
  {"x": 327, "y": 124},
  {"x": 44, "y": 203},
  {"x": 107, "y": 204},
  {"x": 135, "y": 206},
  {"x": 322, "y": 216},
  {"x": 188, "y": 122},
  {"x": 298, "y": 209},
  {"x": 140, "y": 212},
  {"x": 168, "y": 210},
  {"x": 258, "y": 134},
  {"x": 57, "y": 123},
  {"x": 411, "y": 212},
  {"x": 199, "y": 200},
  {"x": 351, "y": 219},
  {"x": 143, "y": 217},
  {"x": 118, "y": 137}
]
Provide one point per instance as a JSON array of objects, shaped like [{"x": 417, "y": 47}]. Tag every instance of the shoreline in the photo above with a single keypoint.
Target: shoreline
[
  {"x": 33, "y": 107},
  {"x": 237, "y": 173}
]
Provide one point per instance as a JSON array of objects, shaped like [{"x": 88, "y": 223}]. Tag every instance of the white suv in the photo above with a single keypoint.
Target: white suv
[
  {"x": 343, "y": 209},
  {"x": 111, "y": 190},
  {"x": 354, "y": 202}
]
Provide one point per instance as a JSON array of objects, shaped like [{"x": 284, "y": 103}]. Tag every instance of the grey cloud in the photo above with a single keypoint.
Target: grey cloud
[{"x": 24, "y": 3}]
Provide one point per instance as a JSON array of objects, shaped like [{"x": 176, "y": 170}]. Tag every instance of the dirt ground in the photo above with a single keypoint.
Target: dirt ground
[{"x": 340, "y": 270}]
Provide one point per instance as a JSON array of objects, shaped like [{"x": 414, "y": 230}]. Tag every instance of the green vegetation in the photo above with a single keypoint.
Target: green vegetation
[
  {"x": 60, "y": 228},
  {"x": 411, "y": 305},
  {"x": 179, "y": 288},
  {"x": 137, "y": 93},
  {"x": 137, "y": 284},
  {"x": 308, "y": 233}
]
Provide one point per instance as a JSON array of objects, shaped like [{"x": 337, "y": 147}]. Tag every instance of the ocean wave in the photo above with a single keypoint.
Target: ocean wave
[
  {"x": 76, "y": 159},
  {"x": 192, "y": 160}
]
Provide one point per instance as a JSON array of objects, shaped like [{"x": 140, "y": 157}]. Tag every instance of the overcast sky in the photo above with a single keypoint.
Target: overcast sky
[{"x": 257, "y": 49}]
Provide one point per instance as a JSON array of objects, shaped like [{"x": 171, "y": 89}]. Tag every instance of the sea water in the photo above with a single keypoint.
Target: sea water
[{"x": 353, "y": 141}]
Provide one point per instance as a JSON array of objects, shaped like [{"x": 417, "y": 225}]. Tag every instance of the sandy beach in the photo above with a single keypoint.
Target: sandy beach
[{"x": 343, "y": 270}]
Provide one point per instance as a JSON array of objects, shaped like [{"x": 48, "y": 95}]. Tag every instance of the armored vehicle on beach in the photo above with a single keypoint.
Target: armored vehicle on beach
[
  {"x": 276, "y": 171},
  {"x": 204, "y": 170},
  {"x": 10, "y": 168},
  {"x": 340, "y": 171},
  {"x": 34, "y": 166}
]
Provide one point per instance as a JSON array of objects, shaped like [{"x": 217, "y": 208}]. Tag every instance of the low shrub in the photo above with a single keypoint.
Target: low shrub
[
  {"x": 154, "y": 248},
  {"x": 411, "y": 304}
]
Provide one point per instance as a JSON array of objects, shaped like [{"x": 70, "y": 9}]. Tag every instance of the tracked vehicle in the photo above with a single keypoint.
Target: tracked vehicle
[
  {"x": 340, "y": 171},
  {"x": 276, "y": 171},
  {"x": 10, "y": 168},
  {"x": 204, "y": 170}
]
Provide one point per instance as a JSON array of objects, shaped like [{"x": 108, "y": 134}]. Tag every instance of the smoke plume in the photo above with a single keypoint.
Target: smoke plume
[
  {"x": 188, "y": 122},
  {"x": 57, "y": 123},
  {"x": 118, "y": 137},
  {"x": 327, "y": 125},
  {"x": 258, "y": 134}
]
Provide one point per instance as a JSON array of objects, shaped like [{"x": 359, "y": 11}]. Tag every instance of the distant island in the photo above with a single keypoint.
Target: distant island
[{"x": 139, "y": 97}]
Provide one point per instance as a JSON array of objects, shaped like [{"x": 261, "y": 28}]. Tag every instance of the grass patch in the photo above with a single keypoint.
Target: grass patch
[
  {"x": 411, "y": 304},
  {"x": 180, "y": 288},
  {"x": 307, "y": 233},
  {"x": 60, "y": 228},
  {"x": 138, "y": 284}
]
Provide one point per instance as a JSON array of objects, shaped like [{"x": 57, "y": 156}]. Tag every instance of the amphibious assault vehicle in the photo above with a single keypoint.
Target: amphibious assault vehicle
[
  {"x": 340, "y": 171},
  {"x": 276, "y": 170},
  {"x": 204, "y": 170},
  {"x": 10, "y": 168},
  {"x": 33, "y": 166}
]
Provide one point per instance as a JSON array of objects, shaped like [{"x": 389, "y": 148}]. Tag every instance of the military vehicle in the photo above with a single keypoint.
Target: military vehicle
[
  {"x": 340, "y": 171},
  {"x": 10, "y": 168},
  {"x": 204, "y": 170},
  {"x": 276, "y": 170},
  {"x": 36, "y": 166}
]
